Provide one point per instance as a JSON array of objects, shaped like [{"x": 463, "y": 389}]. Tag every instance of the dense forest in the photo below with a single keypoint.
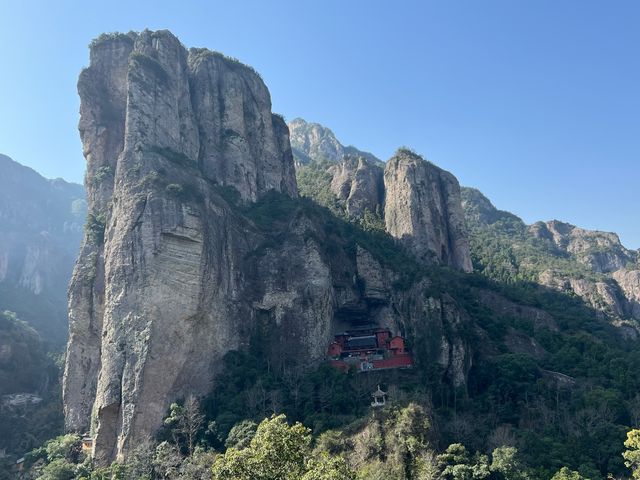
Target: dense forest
[{"x": 560, "y": 405}]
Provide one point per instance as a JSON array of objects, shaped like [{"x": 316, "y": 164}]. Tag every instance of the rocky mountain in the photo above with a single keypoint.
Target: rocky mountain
[
  {"x": 413, "y": 200},
  {"x": 315, "y": 142},
  {"x": 41, "y": 230},
  {"x": 196, "y": 244},
  {"x": 423, "y": 209},
  {"x": 592, "y": 265},
  {"x": 357, "y": 184},
  {"x": 198, "y": 247}
]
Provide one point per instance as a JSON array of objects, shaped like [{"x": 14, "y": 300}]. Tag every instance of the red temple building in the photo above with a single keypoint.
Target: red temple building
[{"x": 369, "y": 349}]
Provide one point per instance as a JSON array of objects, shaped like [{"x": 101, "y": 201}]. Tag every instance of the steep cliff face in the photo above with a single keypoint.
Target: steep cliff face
[
  {"x": 420, "y": 202},
  {"x": 358, "y": 184},
  {"x": 178, "y": 268},
  {"x": 164, "y": 131},
  {"x": 423, "y": 210},
  {"x": 613, "y": 289},
  {"x": 42, "y": 223}
]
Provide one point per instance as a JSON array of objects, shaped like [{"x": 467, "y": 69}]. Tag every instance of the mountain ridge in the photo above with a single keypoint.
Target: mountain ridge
[
  {"x": 200, "y": 261},
  {"x": 43, "y": 222},
  {"x": 195, "y": 234}
]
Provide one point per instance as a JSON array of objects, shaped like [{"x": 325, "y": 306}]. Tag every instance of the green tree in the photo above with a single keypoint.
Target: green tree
[
  {"x": 632, "y": 454},
  {"x": 198, "y": 465},
  {"x": 167, "y": 461},
  {"x": 277, "y": 452},
  {"x": 67, "y": 447},
  {"x": 408, "y": 436},
  {"x": 58, "y": 469},
  {"x": 328, "y": 468},
  {"x": 185, "y": 423},
  {"x": 458, "y": 464},
  {"x": 140, "y": 461},
  {"x": 565, "y": 474},
  {"x": 234, "y": 465},
  {"x": 506, "y": 464},
  {"x": 241, "y": 434}
]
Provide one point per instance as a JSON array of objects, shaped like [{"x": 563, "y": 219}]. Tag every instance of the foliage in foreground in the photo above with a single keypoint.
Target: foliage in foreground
[{"x": 392, "y": 444}]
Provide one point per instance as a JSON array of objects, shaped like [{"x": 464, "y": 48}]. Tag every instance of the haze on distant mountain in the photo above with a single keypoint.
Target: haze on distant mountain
[
  {"x": 41, "y": 225},
  {"x": 226, "y": 255}
]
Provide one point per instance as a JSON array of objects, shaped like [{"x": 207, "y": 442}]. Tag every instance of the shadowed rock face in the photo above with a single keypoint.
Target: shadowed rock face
[
  {"x": 156, "y": 293},
  {"x": 423, "y": 209},
  {"x": 41, "y": 225}
]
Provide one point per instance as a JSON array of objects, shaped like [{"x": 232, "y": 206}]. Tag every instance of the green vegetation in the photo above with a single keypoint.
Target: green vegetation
[
  {"x": 24, "y": 353},
  {"x": 559, "y": 408},
  {"x": 565, "y": 474},
  {"x": 503, "y": 249},
  {"x": 514, "y": 394},
  {"x": 101, "y": 174},
  {"x": 113, "y": 36},
  {"x": 200, "y": 54},
  {"x": 30, "y": 408},
  {"x": 632, "y": 454},
  {"x": 95, "y": 227},
  {"x": 314, "y": 182},
  {"x": 392, "y": 443}
]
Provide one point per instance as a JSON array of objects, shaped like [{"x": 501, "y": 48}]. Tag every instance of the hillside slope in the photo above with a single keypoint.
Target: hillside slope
[
  {"x": 591, "y": 265},
  {"x": 204, "y": 273},
  {"x": 41, "y": 229}
]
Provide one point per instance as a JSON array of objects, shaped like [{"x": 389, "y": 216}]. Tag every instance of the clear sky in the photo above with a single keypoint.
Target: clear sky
[{"x": 536, "y": 103}]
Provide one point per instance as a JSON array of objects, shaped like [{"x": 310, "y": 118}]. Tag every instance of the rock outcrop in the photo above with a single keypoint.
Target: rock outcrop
[
  {"x": 315, "y": 142},
  {"x": 601, "y": 252},
  {"x": 312, "y": 141},
  {"x": 592, "y": 265},
  {"x": 156, "y": 294},
  {"x": 423, "y": 210},
  {"x": 614, "y": 290},
  {"x": 420, "y": 202},
  {"x": 42, "y": 223},
  {"x": 358, "y": 184},
  {"x": 180, "y": 266},
  {"x": 629, "y": 283}
]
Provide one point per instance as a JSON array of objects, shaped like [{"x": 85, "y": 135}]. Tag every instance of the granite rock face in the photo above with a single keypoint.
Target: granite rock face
[
  {"x": 423, "y": 210},
  {"x": 629, "y": 283},
  {"x": 165, "y": 132},
  {"x": 358, "y": 184},
  {"x": 420, "y": 202},
  {"x": 178, "y": 267},
  {"x": 617, "y": 290}
]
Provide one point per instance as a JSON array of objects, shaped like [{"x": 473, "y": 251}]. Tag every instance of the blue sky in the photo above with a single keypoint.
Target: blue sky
[{"x": 536, "y": 103}]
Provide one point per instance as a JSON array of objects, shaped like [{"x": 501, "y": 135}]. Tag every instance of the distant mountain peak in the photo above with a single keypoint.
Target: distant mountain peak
[{"x": 313, "y": 141}]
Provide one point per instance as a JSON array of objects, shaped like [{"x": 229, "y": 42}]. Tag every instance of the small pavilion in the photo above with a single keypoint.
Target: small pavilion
[{"x": 379, "y": 398}]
